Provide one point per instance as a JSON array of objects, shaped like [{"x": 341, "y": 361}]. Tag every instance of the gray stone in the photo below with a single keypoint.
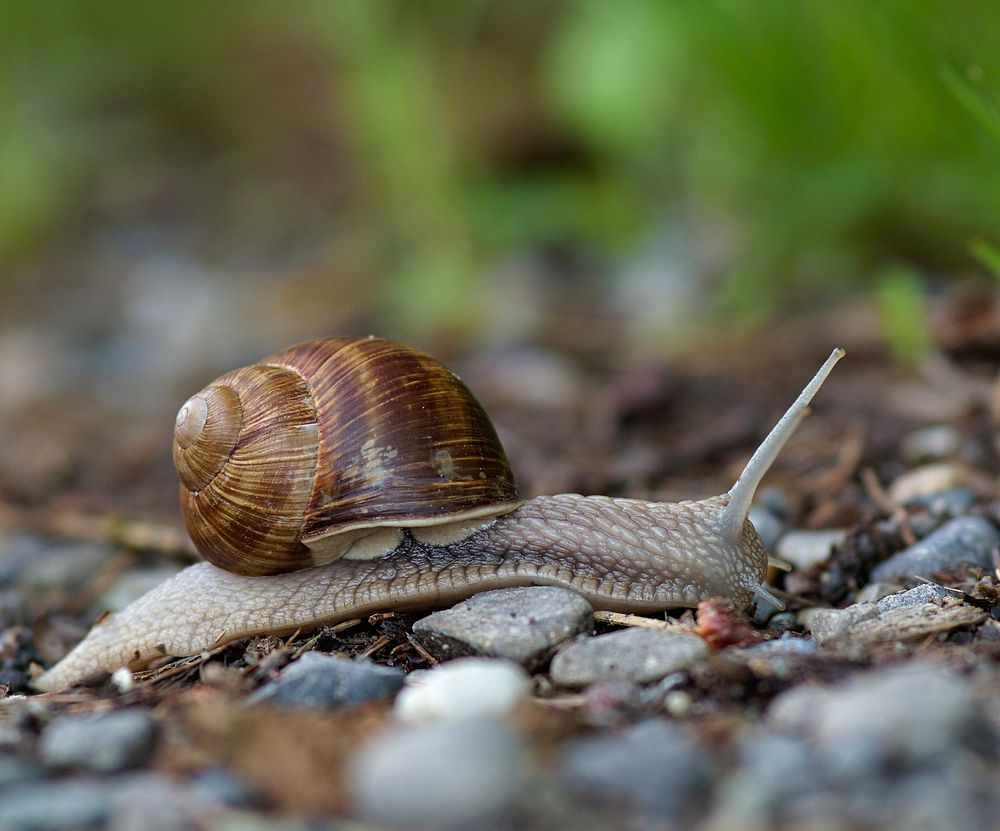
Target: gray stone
[
  {"x": 827, "y": 625},
  {"x": 654, "y": 767},
  {"x": 932, "y": 443},
  {"x": 772, "y": 771},
  {"x": 769, "y": 527},
  {"x": 774, "y": 500},
  {"x": 805, "y": 549},
  {"x": 132, "y": 585},
  {"x": 782, "y": 622},
  {"x": 522, "y": 624},
  {"x": 319, "y": 680},
  {"x": 57, "y": 806},
  {"x": 439, "y": 775},
  {"x": 152, "y": 802},
  {"x": 966, "y": 540},
  {"x": 910, "y": 712},
  {"x": 917, "y": 596},
  {"x": 218, "y": 785},
  {"x": 766, "y": 607},
  {"x": 15, "y": 771},
  {"x": 638, "y": 654},
  {"x": 874, "y": 592},
  {"x": 35, "y": 564},
  {"x": 952, "y": 502},
  {"x": 781, "y": 647},
  {"x": 106, "y": 742}
]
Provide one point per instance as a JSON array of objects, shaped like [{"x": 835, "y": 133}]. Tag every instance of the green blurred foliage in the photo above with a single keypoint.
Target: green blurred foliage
[
  {"x": 814, "y": 143},
  {"x": 902, "y": 301}
]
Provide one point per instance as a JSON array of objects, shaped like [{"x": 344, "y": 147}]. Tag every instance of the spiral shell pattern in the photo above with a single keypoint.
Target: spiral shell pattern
[{"x": 329, "y": 438}]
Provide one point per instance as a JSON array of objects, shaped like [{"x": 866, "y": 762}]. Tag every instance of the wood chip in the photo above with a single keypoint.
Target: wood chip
[{"x": 916, "y": 623}]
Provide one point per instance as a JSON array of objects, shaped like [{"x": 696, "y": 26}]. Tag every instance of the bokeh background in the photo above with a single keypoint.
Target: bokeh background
[{"x": 535, "y": 186}]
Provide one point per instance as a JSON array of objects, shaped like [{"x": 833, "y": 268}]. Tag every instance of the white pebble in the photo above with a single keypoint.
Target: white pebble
[
  {"x": 122, "y": 679},
  {"x": 461, "y": 689}
]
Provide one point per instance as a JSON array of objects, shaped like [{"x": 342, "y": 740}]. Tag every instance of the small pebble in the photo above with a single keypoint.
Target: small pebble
[
  {"x": 930, "y": 444},
  {"x": 917, "y": 596},
  {"x": 765, "y": 608},
  {"x": 132, "y": 585},
  {"x": 58, "y": 806},
  {"x": 37, "y": 564},
  {"x": 827, "y": 625},
  {"x": 461, "y": 689},
  {"x": 966, "y": 540},
  {"x": 122, "y": 679},
  {"x": 217, "y": 785},
  {"x": 781, "y": 647},
  {"x": 774, "y": 500},
  {"x": 153, "y": 803},
  {"x": 874, "y": 592},
  {"x": 782, "y": 622},
  {"x": 654, "y": 767},
  {"x": 948, "y": 503},
  {"x": 639, "y": 655},
  {"x": 927, "y": 480},
  {"x": 805, "y": 549},
  {"x": 522, "y": 624},
  {"x": 107, "y": 742},
  {"x": 912, "y": 711},
  {"x": 608, "y": 701},
  {"x": 772, "y": 771},
  {"x": 15, "y": 771},
  {"x": 440, "y": 775},
  {"x": 319, "y": 680},
  {"x": 769, "y": 527}
]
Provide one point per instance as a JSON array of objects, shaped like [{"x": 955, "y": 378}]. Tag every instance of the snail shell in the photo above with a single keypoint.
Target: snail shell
[{"x": 316, "y": 451}]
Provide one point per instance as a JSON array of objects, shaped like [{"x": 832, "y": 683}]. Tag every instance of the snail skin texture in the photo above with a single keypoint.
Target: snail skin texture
[{"x": 357, "y": 475}]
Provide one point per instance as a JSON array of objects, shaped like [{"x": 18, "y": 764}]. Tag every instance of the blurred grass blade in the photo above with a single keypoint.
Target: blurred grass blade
[{"x": 901, "y": 302}]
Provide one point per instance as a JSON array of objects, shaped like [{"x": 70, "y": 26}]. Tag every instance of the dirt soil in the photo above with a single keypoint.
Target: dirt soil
[{"x": 651, "y": 430}]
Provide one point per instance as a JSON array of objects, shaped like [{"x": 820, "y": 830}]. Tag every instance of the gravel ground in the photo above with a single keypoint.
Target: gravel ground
[{"x": 871, "y": 701}]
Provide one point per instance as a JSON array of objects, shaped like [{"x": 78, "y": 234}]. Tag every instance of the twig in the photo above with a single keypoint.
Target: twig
[
  {"x": 379, "y": 642},
  {"x": 623, "y": 619},
  {"x": 423, "y": 653}
]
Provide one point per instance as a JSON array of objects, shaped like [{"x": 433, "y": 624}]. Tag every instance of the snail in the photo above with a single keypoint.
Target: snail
[{"x": 345, "y": 476}]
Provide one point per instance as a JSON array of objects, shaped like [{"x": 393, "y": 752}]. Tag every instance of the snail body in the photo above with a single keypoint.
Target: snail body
[{"x": 420, "y": 511}]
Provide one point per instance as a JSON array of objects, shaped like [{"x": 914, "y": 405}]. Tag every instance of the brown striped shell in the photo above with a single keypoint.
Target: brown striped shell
[{"x": 285, "y": 463}]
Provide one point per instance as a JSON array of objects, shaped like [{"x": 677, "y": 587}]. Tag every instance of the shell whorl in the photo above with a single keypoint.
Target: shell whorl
[
  {"x": 205, "y": 434},
  {"x": 247, "y": 516}
]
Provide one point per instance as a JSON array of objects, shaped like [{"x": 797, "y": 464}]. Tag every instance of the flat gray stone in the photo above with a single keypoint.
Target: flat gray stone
[
  {"x": 319, "y": 680},
  {"x": 654, "y": 767},
  {"x": 966, "y": 540},
  {"x": 441, "y": 775},
  {"x": 107, "y": 742},
  {"x": 522, "y": 624},
  {"x": 639, "y": 655},
  {"x": 917, "y": 596},
  {"x": 828, "y": 625}
]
